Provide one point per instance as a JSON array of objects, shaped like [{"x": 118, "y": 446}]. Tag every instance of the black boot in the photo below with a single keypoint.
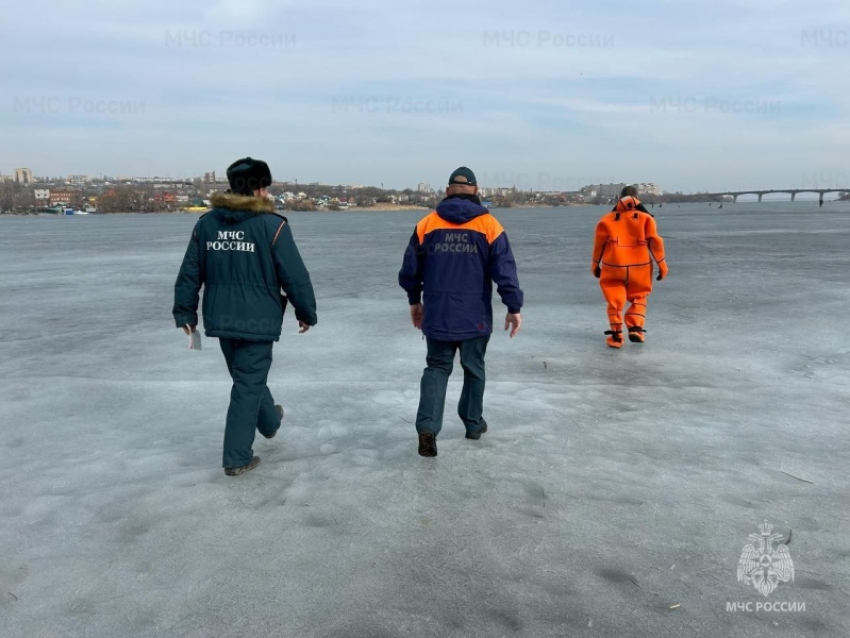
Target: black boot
[
  {"x": 279, "y": 409},
  {"x": 636, "y": 334},
  {"x": 477, "y": 435},
  {"x": 427, "y": 444}
]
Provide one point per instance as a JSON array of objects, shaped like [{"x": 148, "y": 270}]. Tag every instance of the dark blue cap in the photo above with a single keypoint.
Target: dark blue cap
[{"x": 463, "y": 176}]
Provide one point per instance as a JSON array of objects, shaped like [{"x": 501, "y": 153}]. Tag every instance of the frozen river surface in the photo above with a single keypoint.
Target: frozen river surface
[{"x": 612, "y": 496}]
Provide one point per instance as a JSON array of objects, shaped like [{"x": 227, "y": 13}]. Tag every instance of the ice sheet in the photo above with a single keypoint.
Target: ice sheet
[{"x": 611, "y": 486}]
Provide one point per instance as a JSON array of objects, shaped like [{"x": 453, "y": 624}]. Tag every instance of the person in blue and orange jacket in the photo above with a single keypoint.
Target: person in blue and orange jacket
[
  {"x": 627, "y": 241},
  {"x": 451, "y": 262}
]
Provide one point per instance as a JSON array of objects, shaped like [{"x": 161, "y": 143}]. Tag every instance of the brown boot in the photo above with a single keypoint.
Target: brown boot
[{"x": 236, "y": 471}]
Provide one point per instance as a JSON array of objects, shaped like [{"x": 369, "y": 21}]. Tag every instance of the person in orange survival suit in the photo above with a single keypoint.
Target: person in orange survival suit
[{"x": 626, "y": 242}]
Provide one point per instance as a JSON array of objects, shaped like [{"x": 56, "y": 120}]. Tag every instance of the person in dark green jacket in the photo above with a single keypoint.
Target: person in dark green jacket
[{"x": 243, "y": 254}]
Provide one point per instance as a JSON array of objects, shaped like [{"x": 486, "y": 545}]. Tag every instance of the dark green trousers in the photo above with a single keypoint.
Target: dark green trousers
[
  {"x": 435, "y": 379},
  {"x": 251, "y": 404}
]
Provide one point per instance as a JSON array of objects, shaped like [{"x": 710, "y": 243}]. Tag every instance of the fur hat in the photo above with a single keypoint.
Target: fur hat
[{"x": 247, "y": 175}]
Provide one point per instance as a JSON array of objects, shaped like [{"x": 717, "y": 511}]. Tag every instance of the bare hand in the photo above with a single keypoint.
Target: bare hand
[
  {"x": 416, "y": 312},
  {"x": 188, "y": 329},
  {"x": 515, "y": 321},
  {"x": 304, "y": 327}
]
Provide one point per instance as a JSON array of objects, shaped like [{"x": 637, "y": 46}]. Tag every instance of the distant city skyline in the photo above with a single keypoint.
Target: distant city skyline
[
  {"x": 27, "y": 176},
  {"x": 604, "y": 190},
  {"x": 697, "y": 96}
]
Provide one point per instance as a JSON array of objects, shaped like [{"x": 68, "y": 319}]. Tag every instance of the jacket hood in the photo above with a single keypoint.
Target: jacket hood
[
  {"x": 233, "y": 209},
  {"x": 459, "y": 209}
]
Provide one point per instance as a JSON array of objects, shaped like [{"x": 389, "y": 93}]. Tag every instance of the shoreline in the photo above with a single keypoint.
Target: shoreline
[
  {"x": 404, "y": 207},
  {"x": 399, "y": 209},
  {"x": 354, "y": 209}
]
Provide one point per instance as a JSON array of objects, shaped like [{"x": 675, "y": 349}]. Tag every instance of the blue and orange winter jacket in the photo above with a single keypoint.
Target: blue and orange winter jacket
[{"x": 451, "y": 262}]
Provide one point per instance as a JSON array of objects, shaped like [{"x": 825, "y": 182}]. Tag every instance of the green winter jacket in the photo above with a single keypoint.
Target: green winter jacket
[{"x": 243, "y": 254}]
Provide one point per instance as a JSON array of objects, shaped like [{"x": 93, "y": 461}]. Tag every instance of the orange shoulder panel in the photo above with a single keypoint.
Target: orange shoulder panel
[
  {"x": 485, "y": 224},
  {"x": 426, "y": 225}
]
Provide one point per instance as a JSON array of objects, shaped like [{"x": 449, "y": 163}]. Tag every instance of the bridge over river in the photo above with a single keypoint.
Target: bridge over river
[{"x": 791, "y": 191}]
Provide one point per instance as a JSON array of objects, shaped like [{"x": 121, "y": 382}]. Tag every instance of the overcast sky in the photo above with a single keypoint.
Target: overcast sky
[{"x": 550, "y": 95}]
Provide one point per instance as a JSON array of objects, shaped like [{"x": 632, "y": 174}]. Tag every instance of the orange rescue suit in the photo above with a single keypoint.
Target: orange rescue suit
[{"x": 626, "y": 242}]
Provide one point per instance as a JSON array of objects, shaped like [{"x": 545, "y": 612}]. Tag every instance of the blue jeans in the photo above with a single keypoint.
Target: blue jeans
[{"x": 435, "y": 379}]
